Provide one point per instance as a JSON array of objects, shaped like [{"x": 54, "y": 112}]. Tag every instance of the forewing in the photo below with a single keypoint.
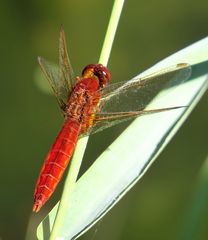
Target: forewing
[
  {"x": 127, "y": 100},
  {"x": 135, "y": 95},
  {"x": 60, "y": 89},
  {"x": 66, "y": 71}
]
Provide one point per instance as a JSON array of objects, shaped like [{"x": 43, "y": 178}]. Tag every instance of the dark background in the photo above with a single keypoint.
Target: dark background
[{"x": 158, "y": 206}]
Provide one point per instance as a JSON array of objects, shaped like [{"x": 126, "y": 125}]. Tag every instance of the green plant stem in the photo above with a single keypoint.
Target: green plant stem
[
  {"x": 111, "y": 31},
  {"x": 82, "y": 143}
]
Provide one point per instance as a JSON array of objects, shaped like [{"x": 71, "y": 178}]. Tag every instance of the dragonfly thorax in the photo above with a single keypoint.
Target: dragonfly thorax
[{"x": 83, "y": 101}]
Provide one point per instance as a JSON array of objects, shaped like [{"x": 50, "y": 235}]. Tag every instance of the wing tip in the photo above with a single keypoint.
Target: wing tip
[
  {"x": 61, "y": 28},
  {"x": 186, "y": 67},
  {"x": 183, "y": 65},
  {"x": 62, "y": 32},
  {"x": 39, "y": 58}
]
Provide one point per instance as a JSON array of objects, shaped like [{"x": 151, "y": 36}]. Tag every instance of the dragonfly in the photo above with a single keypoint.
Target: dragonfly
[{"x": 91, "y": 104}]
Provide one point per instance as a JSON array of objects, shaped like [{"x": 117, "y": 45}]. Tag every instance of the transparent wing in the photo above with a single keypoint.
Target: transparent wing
[
  {"x": 126, "y": 100},
  {"x": 66, "y": 71},
  {"x": 61, "y": 78},
  {"x": 103, "y": 121},
  {"x": 134, "y": 95},
  {"x": 51, "y": 72}
]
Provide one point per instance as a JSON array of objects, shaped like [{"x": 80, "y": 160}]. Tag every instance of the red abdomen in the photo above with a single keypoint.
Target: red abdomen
[{"x": 56, "y": 162}]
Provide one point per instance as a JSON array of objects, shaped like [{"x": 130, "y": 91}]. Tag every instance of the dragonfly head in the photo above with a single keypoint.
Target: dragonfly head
[{"x": 99, "y": 71}]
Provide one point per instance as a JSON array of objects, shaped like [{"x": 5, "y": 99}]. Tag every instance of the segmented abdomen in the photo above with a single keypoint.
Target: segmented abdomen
[{"x": 56, "y": 162}]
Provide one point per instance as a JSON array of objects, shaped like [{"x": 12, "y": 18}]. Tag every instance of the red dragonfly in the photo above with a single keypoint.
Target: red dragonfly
[{"x": 90, "y": 104}]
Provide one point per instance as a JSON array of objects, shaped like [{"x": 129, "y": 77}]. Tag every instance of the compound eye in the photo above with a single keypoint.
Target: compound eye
[
  {"x": 104, "y": 76},
  {"x": 88, "y": 71},
  {"x": 99, "y": 71}
]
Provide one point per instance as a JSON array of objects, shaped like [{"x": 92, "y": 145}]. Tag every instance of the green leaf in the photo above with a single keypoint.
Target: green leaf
[{"x": 125, "y": 161}]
